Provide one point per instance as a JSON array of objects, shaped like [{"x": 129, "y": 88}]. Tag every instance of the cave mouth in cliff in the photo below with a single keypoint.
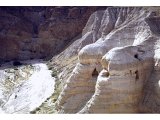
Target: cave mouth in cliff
[
  {"x": 137, "y": 75},
  {"x": 95, "y": 73},
  {"x": 17, "y": 63},
  {"x": 137, "y": 57}
]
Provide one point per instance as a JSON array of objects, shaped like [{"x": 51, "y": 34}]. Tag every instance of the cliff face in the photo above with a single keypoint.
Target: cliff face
[
  {"x": 109, "y": 60},
  {"x": 28, "y": 33},
  {"x": 118, "y": 71},
  {"x": 39, "y": 32}
]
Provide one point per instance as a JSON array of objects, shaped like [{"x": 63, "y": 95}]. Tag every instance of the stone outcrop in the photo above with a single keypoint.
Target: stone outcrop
[{"x": 118, "y": 71}]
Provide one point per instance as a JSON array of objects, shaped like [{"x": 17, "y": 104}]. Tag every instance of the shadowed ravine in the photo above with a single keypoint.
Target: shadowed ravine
[{"x": 80, "y": 60}]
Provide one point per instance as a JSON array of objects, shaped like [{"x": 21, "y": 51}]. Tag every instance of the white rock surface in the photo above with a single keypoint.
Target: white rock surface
[{"x": 32, "y": 92}]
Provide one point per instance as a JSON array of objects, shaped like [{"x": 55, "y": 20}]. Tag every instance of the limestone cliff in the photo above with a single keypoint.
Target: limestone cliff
[{"x": 118, "y": 71}]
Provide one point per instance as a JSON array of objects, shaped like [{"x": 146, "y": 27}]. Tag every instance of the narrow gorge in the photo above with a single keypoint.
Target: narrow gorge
[{"x": 80, "y": 60}]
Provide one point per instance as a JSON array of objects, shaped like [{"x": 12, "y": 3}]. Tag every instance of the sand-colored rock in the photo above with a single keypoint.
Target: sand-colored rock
[
  {"x": 77, "y": 90},
  {"x": 121, "y": 89},
  {"x": 125, "y": 58}
]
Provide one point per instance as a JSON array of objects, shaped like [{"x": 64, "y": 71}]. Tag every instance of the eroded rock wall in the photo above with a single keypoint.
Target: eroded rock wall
[{"x": 122, "y": 63}]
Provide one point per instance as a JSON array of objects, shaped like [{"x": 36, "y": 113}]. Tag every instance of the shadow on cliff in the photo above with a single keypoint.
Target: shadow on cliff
[
  {"x": 31, "y": 33},
  {"x": 16, "y": 64}
]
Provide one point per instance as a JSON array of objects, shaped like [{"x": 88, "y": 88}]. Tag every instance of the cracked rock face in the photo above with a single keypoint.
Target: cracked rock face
[{"x": 119, "y": 71}]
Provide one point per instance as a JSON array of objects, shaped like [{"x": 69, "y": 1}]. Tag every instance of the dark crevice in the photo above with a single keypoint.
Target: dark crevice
[
  {"x": 15, "y": 96},
  {"x": 17, "y": 63},
  {"x": 136, "y": 56},
  {"x": 137, "y": 75},
  {"x": 94, "y": 73}
]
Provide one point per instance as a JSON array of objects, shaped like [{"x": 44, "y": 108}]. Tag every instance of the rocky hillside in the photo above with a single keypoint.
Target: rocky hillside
[
  {"x": 29, "y": 34},
  {"x": 104, "y": 60},
  {"x": 118, "y": 72},
  {"x": 39, "y": 32}
]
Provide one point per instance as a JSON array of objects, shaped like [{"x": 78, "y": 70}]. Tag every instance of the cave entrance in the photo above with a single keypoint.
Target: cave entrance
[
  {"x": 95, "y": 73},
  {"x": 137, "y": 57},
  {"x": 137, "y": 75},
  {"x": 17, "y": 63}
]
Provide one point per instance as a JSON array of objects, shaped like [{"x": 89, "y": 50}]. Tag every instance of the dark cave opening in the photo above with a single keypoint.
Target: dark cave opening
[
  {"x": 95, "y": 73},
  {"x": 136, "y": 56},
  {"x": 137, "y": 75},
  {"x": 17, "y": 63}
]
